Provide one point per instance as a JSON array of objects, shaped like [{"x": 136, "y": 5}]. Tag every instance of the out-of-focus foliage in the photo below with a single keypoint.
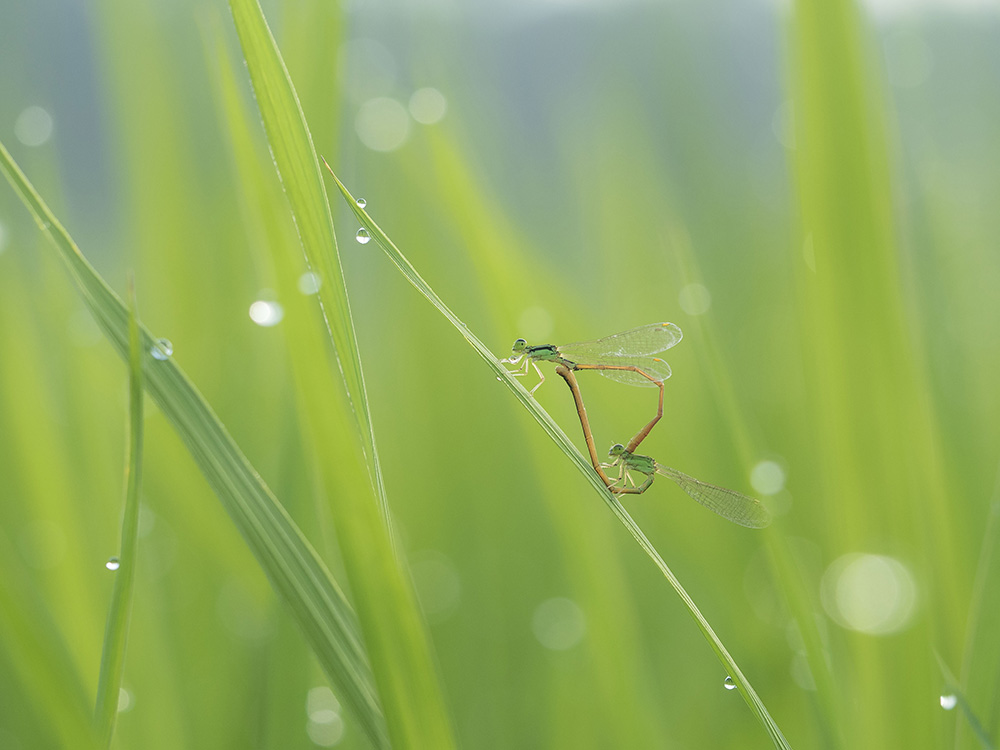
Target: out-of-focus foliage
[{"x": 831, "y": 262}]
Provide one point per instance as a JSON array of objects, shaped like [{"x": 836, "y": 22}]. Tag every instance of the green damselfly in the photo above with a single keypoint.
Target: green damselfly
[{"x": 730, "y": 504}]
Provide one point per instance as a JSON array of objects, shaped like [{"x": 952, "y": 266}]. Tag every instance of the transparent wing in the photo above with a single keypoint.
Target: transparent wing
[
  {"x": 639, "y": 342},
  {"x": 729, "y": 504},
  {"x": 653, "y": 366}
]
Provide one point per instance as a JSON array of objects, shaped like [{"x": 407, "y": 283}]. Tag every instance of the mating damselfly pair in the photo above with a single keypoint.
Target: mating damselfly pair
[{"x": 629, "y": 357}]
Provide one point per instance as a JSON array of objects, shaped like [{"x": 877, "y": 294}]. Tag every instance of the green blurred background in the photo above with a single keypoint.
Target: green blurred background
[{"x": 557, "y": 171}]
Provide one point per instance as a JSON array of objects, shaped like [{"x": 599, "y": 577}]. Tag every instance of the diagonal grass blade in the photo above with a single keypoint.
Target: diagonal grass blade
[
  {"x": 564, "y": 443},
  {"x": 295, "y": 570}
]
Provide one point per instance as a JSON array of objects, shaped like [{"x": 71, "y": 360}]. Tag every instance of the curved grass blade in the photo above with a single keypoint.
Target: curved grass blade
[
  {"x": 37, "y": 662},
  {"x": 120, "y": 611},
  {"x": 298, "y": 169},
  {"x": 981, "y": 650},
  {"x": 566, "y": 445},
  {"x": 294, "y": 569},
  {"x": 397, "y": 643},
  {"x": 955, "y": 692}
]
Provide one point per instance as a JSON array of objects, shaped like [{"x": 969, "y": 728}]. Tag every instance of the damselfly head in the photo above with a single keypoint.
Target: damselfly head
[
  {"x": 616, "y": 450},
  {"x": 519, "y": 346}
]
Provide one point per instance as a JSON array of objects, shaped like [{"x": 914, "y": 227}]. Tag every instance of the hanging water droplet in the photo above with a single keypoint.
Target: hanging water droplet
[
  {"x": 362, "y": 202},
  {"x": 948, "y": 702},
  {"x": 362, "y": 236},
  {"x": 162, "y": 349},
  {"x": 728, "y": 683},
  {"x": 114, "y": 563}
]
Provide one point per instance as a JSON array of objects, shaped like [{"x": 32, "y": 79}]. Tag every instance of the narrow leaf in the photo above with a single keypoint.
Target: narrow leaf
[
  {"x": 398, "y": 646},
  {"x": 295, "y": 570},
  {"x": 120, "y": 611}
]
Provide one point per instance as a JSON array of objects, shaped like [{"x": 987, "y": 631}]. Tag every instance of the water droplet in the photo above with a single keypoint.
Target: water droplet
[
  {"x": 362, "y": 236},
  {"x": 266, "y": 314},
  {"x": 362, "y": 202},
  {"x": 114, "y": 563},
  {"x": 728, "y": 683},
  {"x": 162, "y": 349},
  {"x": 948, "y": 702}
]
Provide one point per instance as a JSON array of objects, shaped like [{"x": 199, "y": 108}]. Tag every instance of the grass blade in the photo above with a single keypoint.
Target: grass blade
[
  {"x": 120, "y": 611},
  {"x": 295, "y": 159},
  {"x": 565, "y": 444},
  {"x": 979, "y": 674},
  {"x": 295, "y": 570},
  {"x": 398, "y": 646},
  {"x": 41, "y": 664},
  {"x": 953, "y": 690},
  {"x": 881, "y": 468}
]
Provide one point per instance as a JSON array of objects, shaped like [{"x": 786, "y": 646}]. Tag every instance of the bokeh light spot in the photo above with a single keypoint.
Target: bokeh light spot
[
  {"x": 33, "y": 126},
  {"x": 873, "y": 594},
  {"x": 694, "y": 299},
  {"x": 367, "y": 69},
  {"x": 382, "y": 124},
  {"x": 438, "y": 585},
  {"x": 768, "y": 478},
  {"x": 428, "y": 106},
  {"x": 558, "y": 624},
  {"x": 266, "y": 314},
  {"x": 310, "y": 283}
]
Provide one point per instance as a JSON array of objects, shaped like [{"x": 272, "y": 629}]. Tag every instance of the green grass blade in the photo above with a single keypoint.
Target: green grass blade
[
  {"x": 42, "y": 664},
  {"x": 882, "y": 468},
  {"x": 565, "y": 444},
  {"x": 982, "y": 650},
  {"x": 295, "y": 570},
  {"x": 120, "y": 611},
  {"x": 398, "y": 646},
  {"x": 953, "y": 687},
  {"x": 295, "y": 159}
]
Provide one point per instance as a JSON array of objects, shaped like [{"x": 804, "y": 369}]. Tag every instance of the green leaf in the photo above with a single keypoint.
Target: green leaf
[
  {"x": 295, "y": 570},
  {"x": 881, "y": 467},
  {"x": 566, "y": 446},
  {"x": 398, "y": 646},
  {"x": 120, "y": 610}
]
